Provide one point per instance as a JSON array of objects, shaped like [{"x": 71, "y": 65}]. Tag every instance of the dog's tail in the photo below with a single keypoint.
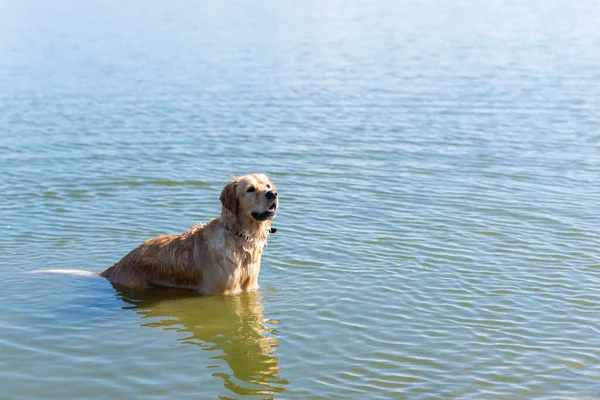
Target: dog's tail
[{"x": 79, "y": 272}]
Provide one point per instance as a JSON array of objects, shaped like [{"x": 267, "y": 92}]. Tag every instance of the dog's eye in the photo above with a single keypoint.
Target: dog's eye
[
  {"x": 268, "y": 186},
  {"x": 250, "y": 189}
]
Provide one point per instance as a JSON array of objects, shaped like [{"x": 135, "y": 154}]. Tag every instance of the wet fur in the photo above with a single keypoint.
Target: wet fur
[{"x": 220, "y": 257}]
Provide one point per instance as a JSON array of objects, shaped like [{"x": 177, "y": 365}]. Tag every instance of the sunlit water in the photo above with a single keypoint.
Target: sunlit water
[{"x": 438, "y": 164}]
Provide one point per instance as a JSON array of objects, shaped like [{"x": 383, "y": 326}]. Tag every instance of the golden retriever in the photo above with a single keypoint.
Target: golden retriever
[{"x": 219, "y": 257}]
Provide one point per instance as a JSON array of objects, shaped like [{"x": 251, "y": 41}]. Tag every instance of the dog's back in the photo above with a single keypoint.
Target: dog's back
[{"x": 161, "y": 261}]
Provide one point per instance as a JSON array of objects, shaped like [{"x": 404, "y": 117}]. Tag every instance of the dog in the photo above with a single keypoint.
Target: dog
[{"x": 220, "y": 257}]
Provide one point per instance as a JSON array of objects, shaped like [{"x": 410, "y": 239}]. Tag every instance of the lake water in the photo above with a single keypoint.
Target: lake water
[{"x": 438, "y": 166}]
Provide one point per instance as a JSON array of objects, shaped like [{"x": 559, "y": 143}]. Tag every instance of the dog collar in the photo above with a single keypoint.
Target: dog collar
[
  {"x": 246, "y": 238},
  {"x": 237, "y": 233}
]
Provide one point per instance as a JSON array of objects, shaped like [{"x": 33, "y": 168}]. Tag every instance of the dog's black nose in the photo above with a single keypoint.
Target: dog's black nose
[{"x": 271, "y": 195}]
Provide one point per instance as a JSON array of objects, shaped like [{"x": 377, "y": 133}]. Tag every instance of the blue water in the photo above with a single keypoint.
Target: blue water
[{"x": 437, "y": 164}]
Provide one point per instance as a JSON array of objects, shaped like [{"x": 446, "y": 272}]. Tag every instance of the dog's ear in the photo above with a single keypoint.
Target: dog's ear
[{"x": 229, "y": 198}]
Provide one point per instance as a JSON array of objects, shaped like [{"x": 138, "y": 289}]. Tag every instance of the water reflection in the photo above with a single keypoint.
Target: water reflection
[{"x": 233, "y": 327}]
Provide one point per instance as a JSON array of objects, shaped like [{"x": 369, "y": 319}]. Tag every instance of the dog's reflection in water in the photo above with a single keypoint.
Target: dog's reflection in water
[{"x": 232, "y": 326}]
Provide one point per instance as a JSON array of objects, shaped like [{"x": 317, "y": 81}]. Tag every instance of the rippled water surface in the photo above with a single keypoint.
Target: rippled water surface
[{"x": 438, "y": 164}]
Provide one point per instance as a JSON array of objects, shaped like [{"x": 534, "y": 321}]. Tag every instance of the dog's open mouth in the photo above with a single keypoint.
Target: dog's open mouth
[{"x": 263, "y": 216}]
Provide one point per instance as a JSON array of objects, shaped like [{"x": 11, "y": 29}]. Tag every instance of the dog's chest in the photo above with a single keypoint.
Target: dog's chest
[
  {"x": 232, "y": 253},
  {"x": 239, "y": 262}
]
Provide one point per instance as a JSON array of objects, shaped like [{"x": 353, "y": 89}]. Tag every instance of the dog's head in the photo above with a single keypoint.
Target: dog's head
[{"x": 252, "y": 197}]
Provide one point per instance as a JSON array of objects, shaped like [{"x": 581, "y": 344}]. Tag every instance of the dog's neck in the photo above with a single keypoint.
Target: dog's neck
[{"x": 247, "y": 229}]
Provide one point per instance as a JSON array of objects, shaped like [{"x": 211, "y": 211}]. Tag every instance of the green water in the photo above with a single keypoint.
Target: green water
[{"x": 437, "y": 164}]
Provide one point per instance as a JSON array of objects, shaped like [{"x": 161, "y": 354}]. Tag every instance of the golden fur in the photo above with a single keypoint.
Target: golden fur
[{"x": 219, "y": 257}]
